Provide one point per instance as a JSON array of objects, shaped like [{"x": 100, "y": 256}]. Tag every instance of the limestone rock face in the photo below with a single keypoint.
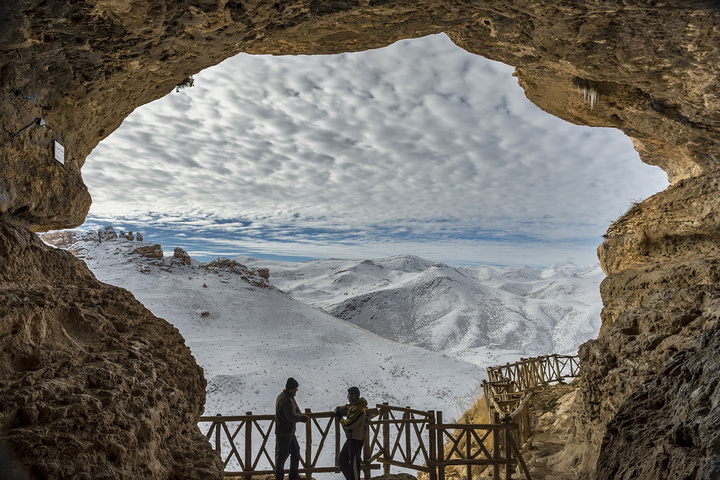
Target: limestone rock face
[
  {"x": 662, "y": 291},
  {"x": 70, "y": 72},
  {"x": 93, "y": 385},
  {"x": 670, "y": 426}
]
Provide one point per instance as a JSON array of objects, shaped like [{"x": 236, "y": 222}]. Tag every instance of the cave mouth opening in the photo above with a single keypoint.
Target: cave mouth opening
[{"x": 418, "y": 147}]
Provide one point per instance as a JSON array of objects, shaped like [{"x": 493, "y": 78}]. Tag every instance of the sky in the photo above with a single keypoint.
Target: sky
[{"x": 416, "y": 148}]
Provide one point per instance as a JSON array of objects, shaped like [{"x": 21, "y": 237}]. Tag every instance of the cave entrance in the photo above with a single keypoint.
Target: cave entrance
[{"x": 416, "y": 148}]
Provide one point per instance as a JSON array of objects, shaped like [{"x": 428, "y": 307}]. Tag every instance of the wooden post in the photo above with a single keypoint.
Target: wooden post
[
  {"x": 217, "y": 436},
  {"x": 386, "y": 438},
  {"x": 408, "y": 446},
  {"x": 496, "y": 454},
  {"x": 508, "y": 455},
  {"x": 247, "y": 464},
  {"x": 468, "y": 451},
  {"x": 486, "y": 391},
  {"x": 440, "y": 448},
  {"x": 366, "y": 451},
  {"x": 308, "y": 440},
  {"x": 432, "y": 454},
  {"x": 337, "y": 443},
  {"x": 528, "y": 427},
  {"x": 557, "y": 367}
]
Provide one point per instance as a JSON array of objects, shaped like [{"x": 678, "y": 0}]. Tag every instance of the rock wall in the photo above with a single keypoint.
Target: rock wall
[
  {"x": 669, "y": 428},
  {"x": 93, "y": 385},
  {"x": 72, "y": 71},
  {"x": 661, "y": 293}
]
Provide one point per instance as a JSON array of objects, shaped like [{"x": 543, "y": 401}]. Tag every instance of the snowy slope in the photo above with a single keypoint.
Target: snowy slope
[
  {"x": 466, "y": 312},
  {"x": 249, "y": 339}
]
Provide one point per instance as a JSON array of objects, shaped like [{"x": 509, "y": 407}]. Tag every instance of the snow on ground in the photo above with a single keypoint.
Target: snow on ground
[{"x": 250, "y": 339}]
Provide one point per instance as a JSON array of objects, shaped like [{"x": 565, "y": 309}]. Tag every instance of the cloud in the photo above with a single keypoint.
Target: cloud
[{"x": 419, "y": 146}]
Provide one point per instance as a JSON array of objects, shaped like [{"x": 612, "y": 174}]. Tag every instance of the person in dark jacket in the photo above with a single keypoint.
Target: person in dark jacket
[
  {"x": 287, "y": 414},
  {"x": 354, "y": 426}
]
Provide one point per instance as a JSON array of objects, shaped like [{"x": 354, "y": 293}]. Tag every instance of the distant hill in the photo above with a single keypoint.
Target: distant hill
[
  {"x": 463, "y": 312},
  {"x": 398, "y": 321},
  {"x": 249, "y": 336}
]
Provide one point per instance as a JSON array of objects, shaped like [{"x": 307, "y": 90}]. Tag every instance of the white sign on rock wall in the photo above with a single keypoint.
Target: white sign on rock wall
[{"x": 59, "y": 152}]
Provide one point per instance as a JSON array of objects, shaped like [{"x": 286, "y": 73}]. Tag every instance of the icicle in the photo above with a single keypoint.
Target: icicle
[
  {"x": 587, "y": 91},
  {"x": 589, "y": 95}
]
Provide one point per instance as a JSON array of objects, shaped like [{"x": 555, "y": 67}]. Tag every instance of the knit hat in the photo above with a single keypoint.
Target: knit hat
[
  {"x": 291, "y": 384},
  {"x": 354, "y": 391}
]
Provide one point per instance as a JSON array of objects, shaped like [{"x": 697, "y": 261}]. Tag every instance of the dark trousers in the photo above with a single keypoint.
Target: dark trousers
[
  {"x": 350, "y": 457},
  {"x": 286, "y": 447}
]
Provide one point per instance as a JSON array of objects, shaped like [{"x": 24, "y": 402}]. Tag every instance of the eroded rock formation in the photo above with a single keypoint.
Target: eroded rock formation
[
  {"x": 72, "y": 71},
  {"x": 82, "y": 67},
  {"x": 93, "y": 385},
  {"x": 662, "y": 291},
  {"x": 669, "y": 427}
]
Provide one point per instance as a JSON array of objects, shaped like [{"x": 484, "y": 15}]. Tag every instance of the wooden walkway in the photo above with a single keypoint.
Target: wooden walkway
[{"x": 509, "y": 388}]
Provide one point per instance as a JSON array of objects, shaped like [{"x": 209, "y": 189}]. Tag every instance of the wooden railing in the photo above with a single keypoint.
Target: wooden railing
[
  {"x": 505, "y": 404},
  {"x": 401, "y": 437},
  {"x": 394, "y": 436},
  {"x": 509, "y": 388},
  {"x": 531, "y": 373},
  {"x": 251, "y": 435},
  {"x": 505, "y": 452}
]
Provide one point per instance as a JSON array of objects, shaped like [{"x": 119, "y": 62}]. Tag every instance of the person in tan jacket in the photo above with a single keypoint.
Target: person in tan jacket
[
  {"x": 354, "y": 426},
  {"x": 287, "y": 414}
]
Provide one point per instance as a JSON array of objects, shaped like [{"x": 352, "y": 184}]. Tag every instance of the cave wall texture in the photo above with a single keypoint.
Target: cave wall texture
[{"x": 83, "y": 66}]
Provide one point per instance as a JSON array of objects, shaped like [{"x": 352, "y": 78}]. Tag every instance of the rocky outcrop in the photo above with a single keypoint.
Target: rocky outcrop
[
  {"x": 154, "y": 252},
  {"x": 70, "y": 72},
  {"x": 93, "y": 385},
  {"x": 148, "y": 256},
  {"x": 669, "y": 428},
  {"x": 662, "y": 291},
  {"x": 257, "y": 277},
  {"x": 182, "y": 256}
]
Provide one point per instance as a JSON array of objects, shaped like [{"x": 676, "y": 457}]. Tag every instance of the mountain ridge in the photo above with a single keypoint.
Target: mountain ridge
[
  {"x": 452, "y": 309},
  {"x": 250, "y": 337}
]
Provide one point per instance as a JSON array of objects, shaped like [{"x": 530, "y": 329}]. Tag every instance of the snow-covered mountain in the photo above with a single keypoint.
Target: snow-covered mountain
[
  {"x": 463, "y": 312},
  {"x": 249, "y": 336},
  {"x": 428, "y": 330}
]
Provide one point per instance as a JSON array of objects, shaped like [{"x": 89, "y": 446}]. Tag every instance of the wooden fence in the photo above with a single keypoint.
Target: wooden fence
[
  {"x": 402, "y": 437},
  {"x": 509, "y": 388},
  {"x": 395, "y": 436},
  {"x": 505, "y": 452},
  {"x": 248, "y": 442},
  {"x": 531, "y": 373},
  {"x": 505, "y": 404}
]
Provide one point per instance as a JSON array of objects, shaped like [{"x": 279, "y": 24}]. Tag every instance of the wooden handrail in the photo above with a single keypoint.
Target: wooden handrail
[
  {"x": 407, "y": 442},
  {"x": 529, "y": 373},
  {"x": 474, "y": 426},
  {"x": 507, "y": 391},
  {"x": 522, "y": 405}
]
